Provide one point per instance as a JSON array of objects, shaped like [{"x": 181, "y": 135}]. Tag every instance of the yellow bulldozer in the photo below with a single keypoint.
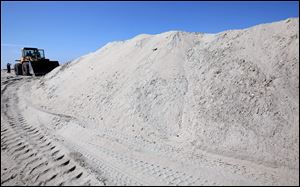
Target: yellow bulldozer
[{"x": 33, "y": 62}]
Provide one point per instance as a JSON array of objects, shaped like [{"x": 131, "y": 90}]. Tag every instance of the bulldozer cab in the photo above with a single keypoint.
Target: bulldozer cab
[{"x": 32, "y": 54}]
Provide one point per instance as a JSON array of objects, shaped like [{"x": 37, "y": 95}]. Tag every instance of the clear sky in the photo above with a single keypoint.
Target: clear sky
[{"x": 67, "y": 30}]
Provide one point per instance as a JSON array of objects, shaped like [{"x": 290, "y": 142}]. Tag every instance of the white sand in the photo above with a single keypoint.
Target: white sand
[{"x": 213, "y": 109}]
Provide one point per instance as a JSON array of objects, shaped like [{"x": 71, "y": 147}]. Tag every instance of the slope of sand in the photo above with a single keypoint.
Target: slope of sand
[{"x": 234, "y": 94}]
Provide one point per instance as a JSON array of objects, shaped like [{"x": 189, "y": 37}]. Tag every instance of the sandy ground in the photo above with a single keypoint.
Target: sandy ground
[
  {"x": 29, "y": 154},
  {"x": 170, "y": 109}
]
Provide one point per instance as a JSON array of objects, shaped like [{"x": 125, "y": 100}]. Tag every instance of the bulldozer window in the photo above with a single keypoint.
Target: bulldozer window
[
  {"x": 41, "y": 53},
  {"x": 28, "y": 52}
]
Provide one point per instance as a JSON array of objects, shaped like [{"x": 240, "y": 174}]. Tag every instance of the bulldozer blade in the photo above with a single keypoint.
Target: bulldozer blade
[{"x": 43, "y": 67}]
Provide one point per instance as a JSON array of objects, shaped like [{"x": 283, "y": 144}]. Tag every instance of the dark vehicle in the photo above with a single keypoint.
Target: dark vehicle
[{"x": 33, "y": 62}]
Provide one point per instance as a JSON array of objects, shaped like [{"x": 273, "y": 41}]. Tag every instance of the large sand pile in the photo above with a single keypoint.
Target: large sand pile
[{"x": 234, "y": 93}]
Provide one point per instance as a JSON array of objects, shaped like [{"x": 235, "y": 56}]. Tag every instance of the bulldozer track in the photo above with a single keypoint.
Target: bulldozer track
[
  {"x": 163, "y": 175},
  {"x": 39, "y": 159}
]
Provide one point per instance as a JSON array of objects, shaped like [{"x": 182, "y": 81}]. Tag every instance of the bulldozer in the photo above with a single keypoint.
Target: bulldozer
[{"x": 33, "y": 62}]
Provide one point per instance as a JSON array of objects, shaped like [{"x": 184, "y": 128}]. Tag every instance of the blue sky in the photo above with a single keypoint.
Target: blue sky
[{"x": 67, "y": 30}]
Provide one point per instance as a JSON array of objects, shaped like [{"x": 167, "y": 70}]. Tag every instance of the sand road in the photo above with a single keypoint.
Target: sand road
[
  {"x": 30, "y": 155},
  {"x": 40, "y": 147}
]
